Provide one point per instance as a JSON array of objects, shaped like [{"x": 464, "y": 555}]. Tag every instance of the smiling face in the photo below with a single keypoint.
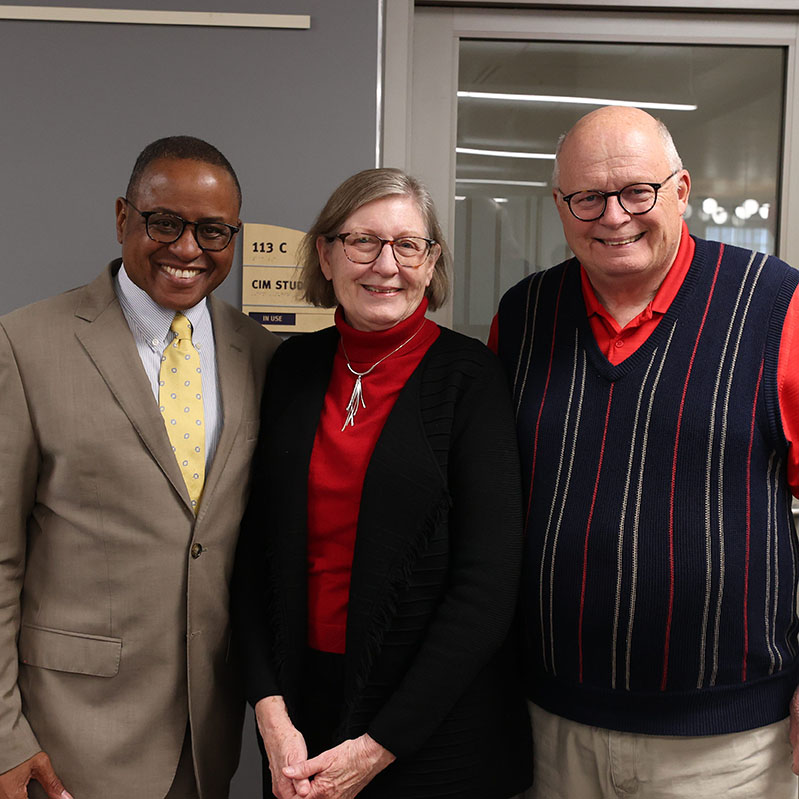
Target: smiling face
[
  {"x": 177, "y": 275},
  {"x": 378, "y": 295},
  {"x": 608, "y": 150}
]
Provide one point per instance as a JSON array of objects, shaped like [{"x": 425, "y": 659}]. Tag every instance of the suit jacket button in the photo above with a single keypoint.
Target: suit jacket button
[{"x": 196, "y": 550}]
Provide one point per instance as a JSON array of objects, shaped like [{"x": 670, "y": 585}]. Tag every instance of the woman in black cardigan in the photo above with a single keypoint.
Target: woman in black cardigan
[{"x": 379, "y": 560}]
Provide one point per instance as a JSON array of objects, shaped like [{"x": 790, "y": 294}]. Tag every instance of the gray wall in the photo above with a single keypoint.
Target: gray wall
[{"x": 294, "y": 111}]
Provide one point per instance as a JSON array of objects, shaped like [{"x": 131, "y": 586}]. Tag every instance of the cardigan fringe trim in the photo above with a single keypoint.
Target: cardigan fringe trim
[{"x": 383, "y": 615}]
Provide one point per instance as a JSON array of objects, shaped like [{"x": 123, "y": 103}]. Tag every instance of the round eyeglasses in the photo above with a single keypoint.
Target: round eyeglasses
[
  {"x": 168, "y": 228},
  {"x": 364, "y": 248},
  {"x": 635, "y": 199}
]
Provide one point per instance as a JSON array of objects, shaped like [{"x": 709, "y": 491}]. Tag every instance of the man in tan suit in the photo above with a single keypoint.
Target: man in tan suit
[{"x": 115, "y": 674}]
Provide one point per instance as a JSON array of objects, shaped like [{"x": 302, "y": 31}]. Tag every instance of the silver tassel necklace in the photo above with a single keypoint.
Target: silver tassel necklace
[{"x": 356, "y": 400}]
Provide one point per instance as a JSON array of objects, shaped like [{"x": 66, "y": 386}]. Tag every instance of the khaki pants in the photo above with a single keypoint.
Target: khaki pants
[{"x": 575, "y": 761}]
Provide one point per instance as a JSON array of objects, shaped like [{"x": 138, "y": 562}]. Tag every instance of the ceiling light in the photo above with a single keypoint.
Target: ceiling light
[
  {"x": 552, "y": 98},
  {"x": 505, "y": 153},
  {"x": 709, "y": 205},
  {"x": 751, "y": 207},
  {"x": 538, "y": 183},
  {"x": 500, "y": 199}
]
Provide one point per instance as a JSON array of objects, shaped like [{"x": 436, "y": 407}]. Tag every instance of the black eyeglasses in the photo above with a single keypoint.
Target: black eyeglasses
[
  {"x": 168, "y": 228},
  {"x": 635, "y": 199},
  {"x": 363, "y": 248}
]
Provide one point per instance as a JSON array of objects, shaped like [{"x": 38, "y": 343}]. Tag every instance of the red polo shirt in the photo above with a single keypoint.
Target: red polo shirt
[{"x": 618, "y": 343}]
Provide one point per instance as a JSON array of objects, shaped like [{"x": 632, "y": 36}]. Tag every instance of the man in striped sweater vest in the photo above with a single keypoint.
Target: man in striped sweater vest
[{"x": 658, "y": 421}]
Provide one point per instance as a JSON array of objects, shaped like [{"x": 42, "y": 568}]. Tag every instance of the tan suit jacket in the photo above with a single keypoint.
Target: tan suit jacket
[{"x": 113, "y": 597}]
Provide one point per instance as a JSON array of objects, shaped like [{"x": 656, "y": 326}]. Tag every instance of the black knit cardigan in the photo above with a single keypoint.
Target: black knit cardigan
[{"x": 431, "y": 670}]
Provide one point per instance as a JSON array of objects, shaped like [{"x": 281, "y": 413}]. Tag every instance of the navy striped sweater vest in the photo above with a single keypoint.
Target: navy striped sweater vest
[{"x": 661, "y": 561}]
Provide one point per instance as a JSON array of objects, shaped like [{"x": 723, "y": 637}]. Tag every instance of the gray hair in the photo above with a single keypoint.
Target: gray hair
[{"x": 358, "y": 190}]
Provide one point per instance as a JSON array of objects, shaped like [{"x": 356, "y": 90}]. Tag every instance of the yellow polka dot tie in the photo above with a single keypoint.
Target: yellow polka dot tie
[{"x": 180, "y": 397}]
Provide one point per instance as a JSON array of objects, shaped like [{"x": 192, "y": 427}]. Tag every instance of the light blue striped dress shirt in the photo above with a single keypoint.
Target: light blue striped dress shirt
[{"x": 149, "y": 323}]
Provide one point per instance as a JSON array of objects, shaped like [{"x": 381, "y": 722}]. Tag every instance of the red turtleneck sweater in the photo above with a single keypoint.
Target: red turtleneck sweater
[{"x": 340, "y": 458}]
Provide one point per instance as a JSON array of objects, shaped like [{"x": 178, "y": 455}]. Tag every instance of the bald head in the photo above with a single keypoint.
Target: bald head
[
  {"x": 612, "y": 121},
  {"x": 626, "y": 251}
]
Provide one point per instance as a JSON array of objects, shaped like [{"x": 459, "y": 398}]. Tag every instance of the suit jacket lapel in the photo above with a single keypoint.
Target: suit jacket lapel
[
  {"x": 108, "y": 342},
  {"x": 233, "y": 375}
]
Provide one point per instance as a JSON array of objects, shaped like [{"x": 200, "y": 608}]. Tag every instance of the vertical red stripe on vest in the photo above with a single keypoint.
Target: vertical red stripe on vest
[{"x": 544, "y": 395}]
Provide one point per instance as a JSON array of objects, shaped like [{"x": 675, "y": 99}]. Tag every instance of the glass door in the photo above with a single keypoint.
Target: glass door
[{"x": 722, "y": 104}]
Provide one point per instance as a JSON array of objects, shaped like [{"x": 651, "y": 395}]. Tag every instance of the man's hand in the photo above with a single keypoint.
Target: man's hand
[
  {"x": 794, "y": 712},
  {"x": 14, "y": 783}
]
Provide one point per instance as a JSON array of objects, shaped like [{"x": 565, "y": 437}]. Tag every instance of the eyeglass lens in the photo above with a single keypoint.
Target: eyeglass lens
[
  {"x": 165, "y": 228},
  {"x": 363, "y": 248},
  {"x": 635, "y": 199}
]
